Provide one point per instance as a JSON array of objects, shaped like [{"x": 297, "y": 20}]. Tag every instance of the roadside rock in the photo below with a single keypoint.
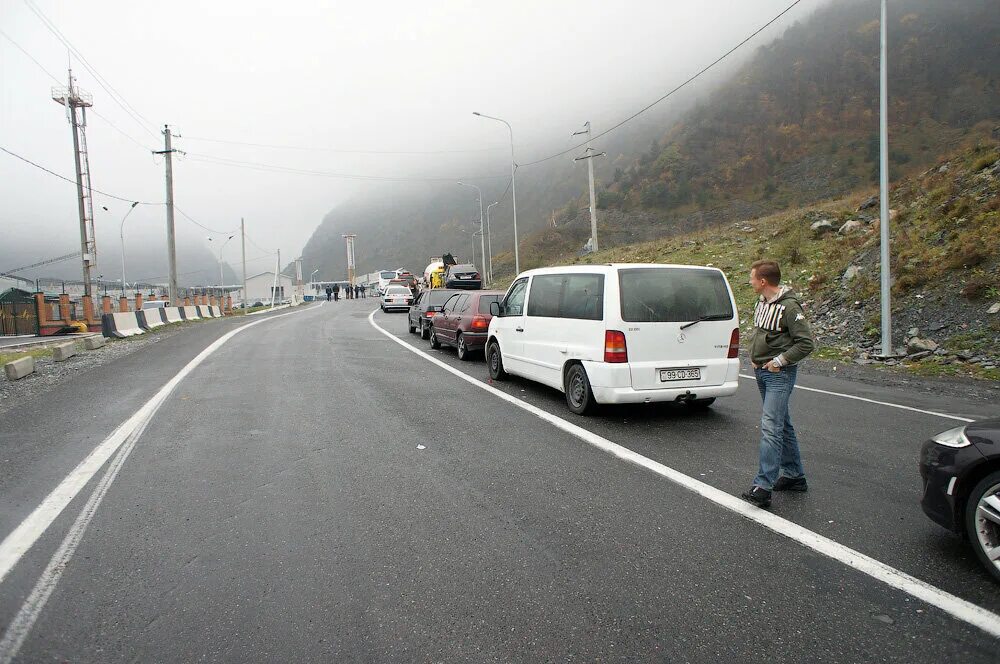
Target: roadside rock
[
  {"x": 919, "y": 356},
  {"x": 916, "y": 345},
  {"x": 913, "y": 332},
  {"x": 851, "y": 272},
  {"x": 995, "y": 309},
  {"x": 851, "y": 226},
  {"x": 868, "y": 203},
  {"x": 822, "y": 227}
]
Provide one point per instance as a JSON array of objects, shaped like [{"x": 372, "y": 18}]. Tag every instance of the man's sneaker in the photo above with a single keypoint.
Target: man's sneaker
[
  {"x": 757, "y": 496},
  {"x": 791, "y": 484}
]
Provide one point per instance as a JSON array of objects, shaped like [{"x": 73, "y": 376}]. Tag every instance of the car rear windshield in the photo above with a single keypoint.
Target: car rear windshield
[
  {"x": 665, "y": 295},
  {"x": 463, "y": 268},
  {"x": 485, "y": 300},
  {"x": 438, "y": 297},
  {"x": 397, "y": 290}
]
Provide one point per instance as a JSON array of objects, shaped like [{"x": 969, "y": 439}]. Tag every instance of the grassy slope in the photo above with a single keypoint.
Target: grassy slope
[{"x": 946, "y": 252}]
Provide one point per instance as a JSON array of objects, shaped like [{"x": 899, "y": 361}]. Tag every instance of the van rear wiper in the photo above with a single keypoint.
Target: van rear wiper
[{"x": 712, "y": 317}]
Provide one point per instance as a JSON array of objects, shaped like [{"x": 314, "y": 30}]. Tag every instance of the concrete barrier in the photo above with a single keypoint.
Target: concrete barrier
[
  {"x": 122, "y": 324},
  {"x": 204, "y": 311},
  {"x": 218, "y": 311},
  {"x": 190, "y": 313},
  {"x": 62, "y": 352},
  {"x": 150, "y": 319},
  {"x": 172, "y": 314},
  {"x": 19, "y": 368},
  {"x": 94, "y": 342}
]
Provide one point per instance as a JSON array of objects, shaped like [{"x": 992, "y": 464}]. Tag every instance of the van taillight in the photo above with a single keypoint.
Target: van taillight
[
  {"x": 614, "y": 347},
  {"x": 734, "y": 344},
  {"x": 479, "y": 323}
]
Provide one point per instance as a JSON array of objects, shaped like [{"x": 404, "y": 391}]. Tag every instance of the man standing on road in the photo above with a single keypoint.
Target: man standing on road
[
  {"x": 329, "y": 293},
  {"x": 336, "y": 292},
  {"x": 780, "y": 339}
]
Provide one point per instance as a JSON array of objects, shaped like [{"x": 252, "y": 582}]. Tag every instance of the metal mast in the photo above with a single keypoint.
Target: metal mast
[
  {"x": 349, "y": 238},
  {"x": 73, "y": 98},
  {"x": 589, "y": 156}
]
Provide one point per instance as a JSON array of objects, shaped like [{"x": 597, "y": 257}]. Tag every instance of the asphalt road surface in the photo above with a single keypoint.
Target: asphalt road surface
[{"x": 272, "y": 504}]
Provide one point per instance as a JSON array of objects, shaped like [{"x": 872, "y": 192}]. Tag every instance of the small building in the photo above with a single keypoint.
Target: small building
[{"x": 259, "y": 287}]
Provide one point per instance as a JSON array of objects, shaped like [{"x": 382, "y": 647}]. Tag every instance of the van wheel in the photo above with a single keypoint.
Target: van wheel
[
  {"x": 982, "y": 512},
  {"x": 700, "y": 404},
  {"x": 579, "y": 396},
  {"x": 435, "y": 344},
  {"x": 495, "y": 361},
  {"x": 461, "y": 349},
  {"x": 424, "y": 332}
]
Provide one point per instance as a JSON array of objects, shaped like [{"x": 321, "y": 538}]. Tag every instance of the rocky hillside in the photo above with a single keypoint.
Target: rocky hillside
[{"x": 945, "y": 225}]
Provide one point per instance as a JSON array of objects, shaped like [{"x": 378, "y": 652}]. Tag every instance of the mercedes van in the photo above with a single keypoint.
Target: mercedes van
[{"x": 619, "y": 333}]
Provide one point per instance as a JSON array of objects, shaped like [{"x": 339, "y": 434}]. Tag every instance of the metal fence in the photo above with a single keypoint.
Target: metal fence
[{"x": 18, "y": 318}]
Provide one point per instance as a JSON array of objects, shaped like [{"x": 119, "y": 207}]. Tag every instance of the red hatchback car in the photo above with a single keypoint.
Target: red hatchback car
[{"x": 464, "y": 321}]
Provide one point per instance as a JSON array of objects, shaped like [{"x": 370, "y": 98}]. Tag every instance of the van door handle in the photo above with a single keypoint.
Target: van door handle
[{"x": 519, "y": 329}]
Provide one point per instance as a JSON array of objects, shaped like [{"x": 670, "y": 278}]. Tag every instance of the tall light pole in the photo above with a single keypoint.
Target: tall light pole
[
  {"x": 883, "y": 186},
  {"x": 489, "y": 241},
  {"x": 482, "y": 235},
  {"x": 513, "y": 186},
  {"x": 312, "y": 282},
  {"x": 121, "y": 234},
  {"x": 222, "y": 279}
]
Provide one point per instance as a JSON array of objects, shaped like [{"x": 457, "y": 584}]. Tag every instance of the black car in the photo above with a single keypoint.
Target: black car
[
  {"x": 960, "y": 468},
  {"x": 428, "y": 303},
  {"x": 463, "y": 276}
]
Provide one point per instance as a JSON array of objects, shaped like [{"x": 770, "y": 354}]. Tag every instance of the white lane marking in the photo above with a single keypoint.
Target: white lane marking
[
  {"x": 880, "y": 403},
  {"x": 957, "y": 607},
  {"x": 28, "y": 531},
  {"x": 22, "y": 623}
]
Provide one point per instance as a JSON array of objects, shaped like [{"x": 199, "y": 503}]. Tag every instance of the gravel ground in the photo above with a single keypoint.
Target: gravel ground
[{"x": 48, "y": 373}]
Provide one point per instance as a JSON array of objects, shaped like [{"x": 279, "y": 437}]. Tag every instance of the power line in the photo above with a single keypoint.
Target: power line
[
  {"x": 682, "y": 85},
  {"x": 343, "y": 151},
  {"x": 202, "y": 226},
  {"x": 54, "y": 78},
  {"x": 71, "y": 181},
  {"x": 103, "y": 82},
  {"x": 274, "y": 168}
]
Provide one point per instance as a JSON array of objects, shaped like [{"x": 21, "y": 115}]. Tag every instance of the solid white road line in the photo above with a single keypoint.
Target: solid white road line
[
  {"x": 28, "y": 531},
  {"x": 957, "y": 607},
  {"x": 880, "y": 403}
]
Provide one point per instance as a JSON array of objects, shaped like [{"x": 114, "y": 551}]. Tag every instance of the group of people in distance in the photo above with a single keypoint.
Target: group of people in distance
[{"x": 350, "y": 292}]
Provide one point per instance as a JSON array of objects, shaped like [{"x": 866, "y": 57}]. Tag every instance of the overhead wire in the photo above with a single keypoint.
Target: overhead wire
[
  {"x": 202, "y": 226},
  {"x": 671, "y": 92},
  {"x": 116, "y": 96},
  {"x": 56, "y": 79},
  {"x": 340, "y": 150},
  {"x": 71, "y": 181}
]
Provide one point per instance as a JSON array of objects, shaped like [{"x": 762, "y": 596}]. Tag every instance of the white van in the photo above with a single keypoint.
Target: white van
[
  {"x": 384, "y": 277},
  {"x": 619, "y": 333}
]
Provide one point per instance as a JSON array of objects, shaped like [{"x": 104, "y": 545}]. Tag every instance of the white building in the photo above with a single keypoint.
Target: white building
[{"x": 259, "y": 287}]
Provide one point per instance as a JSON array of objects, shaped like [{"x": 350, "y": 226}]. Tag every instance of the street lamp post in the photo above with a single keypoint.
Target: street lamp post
[
  {"x": 222, "y": 279},
  {"x": 482, "y": 235},
  {"x": 513, "y": 186},
  {"x": 489, "y": 241},
  {"x": 312, "y": 282},
  {"x": 121, "y": 234}
]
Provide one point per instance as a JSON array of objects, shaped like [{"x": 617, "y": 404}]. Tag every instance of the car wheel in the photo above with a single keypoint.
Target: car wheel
[
  {"x": 579, "y": 396},
  {"x": 435, "y": 344},
  {"x": 413, "y": 328},
  {"x": 982, "y": 522},
  {"x": 700, "y": 404},
  {"x": 461, "y": 349},
  {"x": 495, "y": 361},
  {"x": 424, "y": 331}
]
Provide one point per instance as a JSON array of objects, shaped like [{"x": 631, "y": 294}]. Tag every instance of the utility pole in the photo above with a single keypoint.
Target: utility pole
[
  {"x": 883, "y": 186},
  {"x": 589, "y": 156},
  {"x": 171, "y": 244},
  {"x": 73, "y": 98},
  {"x": 243, "y": 238},
  {"x": 349, "y": 238}
]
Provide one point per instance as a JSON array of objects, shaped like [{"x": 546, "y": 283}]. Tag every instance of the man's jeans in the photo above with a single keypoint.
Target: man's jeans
[{"x": 779, "y": 448}]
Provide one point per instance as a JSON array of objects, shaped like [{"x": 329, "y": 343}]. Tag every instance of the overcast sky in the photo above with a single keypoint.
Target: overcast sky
[{"x": 368, "y": 76}]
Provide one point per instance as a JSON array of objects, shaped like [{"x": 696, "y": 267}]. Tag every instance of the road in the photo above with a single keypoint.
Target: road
[{"x": 273, "y": 505}]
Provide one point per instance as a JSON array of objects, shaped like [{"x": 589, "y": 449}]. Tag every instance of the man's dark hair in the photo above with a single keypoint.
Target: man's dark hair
[{"x": 767, "y": 270}]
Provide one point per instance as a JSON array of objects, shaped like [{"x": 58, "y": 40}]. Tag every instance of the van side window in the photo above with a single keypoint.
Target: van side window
[
  {"x": 514, "y": 302},
  {"x": 579, "y": 296}
]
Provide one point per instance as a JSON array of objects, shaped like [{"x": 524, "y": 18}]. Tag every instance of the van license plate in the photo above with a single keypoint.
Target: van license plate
[{"x": 679, "y": 374}]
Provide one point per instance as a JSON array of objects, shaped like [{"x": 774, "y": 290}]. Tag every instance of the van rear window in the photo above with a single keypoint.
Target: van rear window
[{"x": 671, "y": 295}]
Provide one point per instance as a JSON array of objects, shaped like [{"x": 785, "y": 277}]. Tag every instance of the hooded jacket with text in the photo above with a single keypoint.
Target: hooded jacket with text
[{"x": 780, "y": 330}]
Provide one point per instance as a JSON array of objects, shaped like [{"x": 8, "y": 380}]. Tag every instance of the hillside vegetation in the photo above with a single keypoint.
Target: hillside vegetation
[{"x": 945, "y": 263}]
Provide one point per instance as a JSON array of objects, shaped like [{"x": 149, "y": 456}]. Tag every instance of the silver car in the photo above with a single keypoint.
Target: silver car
[{"x": 397, "y": 297}]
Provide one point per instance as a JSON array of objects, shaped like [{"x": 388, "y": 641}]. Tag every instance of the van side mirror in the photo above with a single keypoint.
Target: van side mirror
[{"x": 495, "y": 309}]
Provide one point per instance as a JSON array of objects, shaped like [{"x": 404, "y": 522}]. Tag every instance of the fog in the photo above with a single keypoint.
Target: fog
[{"x": 354, "y": 92}]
